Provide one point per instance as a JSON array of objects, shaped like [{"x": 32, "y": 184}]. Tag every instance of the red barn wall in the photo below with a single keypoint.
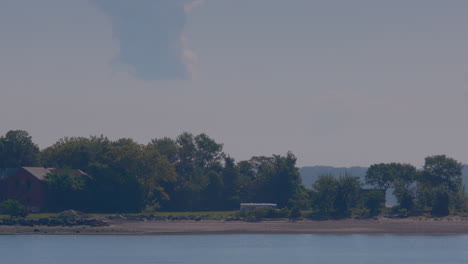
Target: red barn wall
[{"x": 25, "y": 188}]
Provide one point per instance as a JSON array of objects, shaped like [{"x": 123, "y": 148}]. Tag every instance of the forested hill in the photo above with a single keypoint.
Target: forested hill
[{"x": 310, "y": 174}]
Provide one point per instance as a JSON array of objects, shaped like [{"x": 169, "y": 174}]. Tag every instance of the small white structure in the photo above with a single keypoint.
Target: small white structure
[{"x": 245, "y": 207}]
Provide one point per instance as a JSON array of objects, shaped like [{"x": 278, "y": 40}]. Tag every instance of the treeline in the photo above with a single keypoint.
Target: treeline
[
  {"x": 436, "y": 189},
  {"x": 188, "y": 173},
  {"x": 193, "y": 173}
]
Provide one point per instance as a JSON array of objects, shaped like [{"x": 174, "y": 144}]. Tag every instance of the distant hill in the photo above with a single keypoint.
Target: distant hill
[{"x": 311, "y": 173}]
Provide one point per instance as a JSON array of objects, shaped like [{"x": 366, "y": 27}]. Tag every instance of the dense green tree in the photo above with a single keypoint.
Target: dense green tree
[
  {"x": 440, "y": 170},
  {"x": 440, "y": 185},
  {"x": 17, "y": 150},
  {"x": 13, "y": 208},
  {"x": 207, "y": 151},
  {"x": 186, "y": 150},
  {"x": 233, "y": 184},
  {"x": 374, "y": 201},
  {"x": 76, "y": 152},
  {"x": 66, "y": 190},
  {"x": 347, "y": 194},
  {"x": 295, "y": 213},
  {"x": 398, "y": 176},
  {"x": 130, "y": 176},
  {"x": 126, "y": 176},
  {"x": 214, "y": 197},
  {"x": 386, "y": 175},
  {"x": 157, "y": 174},
  {"x": 167, "y": 147},
  {"x": 324, "y": 194},
  {"x": 440, "y": 205},
  {"x": 196, "y": 158},
  {"x": 276, "y": 180},
  {"x": 380, "y": 175}
]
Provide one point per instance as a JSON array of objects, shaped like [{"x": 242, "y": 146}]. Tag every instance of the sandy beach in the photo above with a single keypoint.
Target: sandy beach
[{"x": 380, "y": 226}]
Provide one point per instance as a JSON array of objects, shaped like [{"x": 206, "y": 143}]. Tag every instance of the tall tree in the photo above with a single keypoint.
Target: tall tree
[
  {"x": 394, "y": 175},
  {"x": 17, "y": 150},
  {"x": 233, "y": 183},
  {"x": 440, "y": 170},
  {"x": 380, "y": 175},
  {"x": 324, "y": 192},
  {"x": 167, "y": 147},
  {"x": 347, "y": 194},
  {"x": 66, "y": 190},
  {"x": 440, "y": 184}
]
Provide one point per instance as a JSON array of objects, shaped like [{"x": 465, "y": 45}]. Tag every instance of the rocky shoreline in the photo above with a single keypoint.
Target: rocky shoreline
[
  {"x": 142, "y": 226},
  {"x": 53, "y": 222}
]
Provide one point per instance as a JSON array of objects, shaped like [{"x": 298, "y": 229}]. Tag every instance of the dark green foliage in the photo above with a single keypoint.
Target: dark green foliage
[
  {"x": 386, "y": 175},
  {"x": 214, "y": 192},
  {"x": 336, "y": 197},
  {"x": 440, "y": 185},
  {"x": 398, "y": 176},
  {"x": 324, "y": 194},
  {"x": 440, "y": 170},
  {"x": 440, "y": 201},
  {"x": 405, "y": 197},
  {"x": 295, "y": 213},
  {"x": 65, "y": 190},
  {"x": 167, "y": 147},
  {"x": 380, "y": 175},
  {"x": 199, "y": 169},
  {"x": 126, "y": 176},
  {"x": 13, "y": 208},
  {"x": 18, "y": 150},
  {"x": 373, "y": 201},
  {"x": 347, "y": 195},
  {"x": 192, "y": 173},
  {"x": 234, "y": 184},
  {"x": 276, "y": 179}
]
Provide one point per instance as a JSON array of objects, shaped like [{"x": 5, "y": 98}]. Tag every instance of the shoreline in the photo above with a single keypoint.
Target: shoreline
[{"x": 218, "y": 227}]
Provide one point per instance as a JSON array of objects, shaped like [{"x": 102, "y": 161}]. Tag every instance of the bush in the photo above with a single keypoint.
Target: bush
[
  {"x": 295, "y": 213},
  {"x": 362, "y": 213},
  {"x": 440, "y": 203},
  {"x": 373, "y": 201},
  {"x": 13, "y": 208}
]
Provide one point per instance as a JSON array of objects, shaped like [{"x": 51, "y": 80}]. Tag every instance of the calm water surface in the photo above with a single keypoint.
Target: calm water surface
[{"x": 216, "y": 249}]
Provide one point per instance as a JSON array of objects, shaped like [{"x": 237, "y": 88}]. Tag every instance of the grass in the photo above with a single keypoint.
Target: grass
[
  {"x": 213, "y": 214},
  {"x": 206, "y": 215},
  {"x": 35, "y": 216}
]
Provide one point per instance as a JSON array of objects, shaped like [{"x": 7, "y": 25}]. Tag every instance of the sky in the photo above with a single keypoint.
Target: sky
[{"x": 337, "y": 82}]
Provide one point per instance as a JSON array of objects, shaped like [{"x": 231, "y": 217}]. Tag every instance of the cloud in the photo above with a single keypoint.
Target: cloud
[{"x": 151, "y": 36}]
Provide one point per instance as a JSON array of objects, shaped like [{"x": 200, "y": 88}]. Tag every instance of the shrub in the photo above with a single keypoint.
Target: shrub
[
  {"x": 373, "y": 201},
  {"x": 13, "y": 208},
  {"x": 295, "y": 213}
]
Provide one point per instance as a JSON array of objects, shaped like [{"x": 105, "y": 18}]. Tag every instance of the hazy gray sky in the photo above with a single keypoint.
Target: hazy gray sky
[{"x": 337, "y": 82}]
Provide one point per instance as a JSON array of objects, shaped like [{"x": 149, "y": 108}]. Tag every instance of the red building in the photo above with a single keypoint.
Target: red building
[{"x": 27, "y": 185}]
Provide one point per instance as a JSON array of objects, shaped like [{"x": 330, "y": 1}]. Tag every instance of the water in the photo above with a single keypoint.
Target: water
[{"x": 227, "y": 249}]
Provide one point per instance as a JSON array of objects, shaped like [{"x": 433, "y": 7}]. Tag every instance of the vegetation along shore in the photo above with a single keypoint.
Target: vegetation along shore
[{"x": 125, "y": 187}]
